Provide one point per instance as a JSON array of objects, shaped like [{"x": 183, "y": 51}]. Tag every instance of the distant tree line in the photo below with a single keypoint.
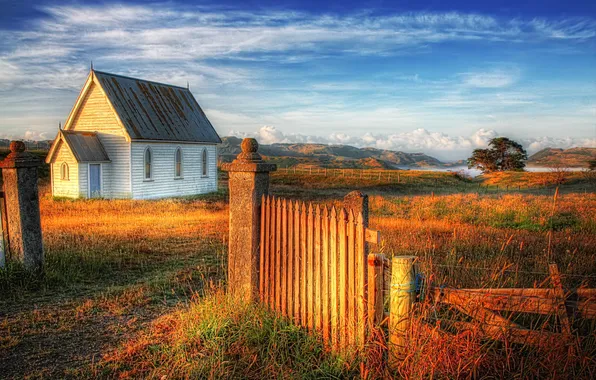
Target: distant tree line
[{"x": 31, "y": 145}]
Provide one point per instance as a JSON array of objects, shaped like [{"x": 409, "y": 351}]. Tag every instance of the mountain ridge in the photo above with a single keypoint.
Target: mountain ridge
[
  {"x": 332, "y": 156},
  {"x": 571, "y": 158}
]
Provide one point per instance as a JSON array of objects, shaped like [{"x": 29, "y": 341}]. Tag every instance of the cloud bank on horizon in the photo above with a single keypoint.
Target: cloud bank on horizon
[
  {"x": 441, "y": 82},
  {"x": 436, "y": 144}
]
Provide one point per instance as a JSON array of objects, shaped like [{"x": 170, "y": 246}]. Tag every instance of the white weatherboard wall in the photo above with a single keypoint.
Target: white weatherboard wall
[
  {"x": 96, "y": 115},
  {"x": 65, "y": 188},
  {"x": 83, "y": 180},
  {"x": 163, "y": 182}
]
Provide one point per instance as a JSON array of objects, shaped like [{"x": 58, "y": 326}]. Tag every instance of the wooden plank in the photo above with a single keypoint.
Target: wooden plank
[
  {"x": 284, "y": 258},
  {"x": 262, "y": 251},
  {"x": 375, "y": 289},
  {"x": 310, "y": 267},
  {"x": 297, "y": 260},
  {"x": 333, "y": 271},
  {"x": 278, "y": 257},
  {"x": 343, "y": 273},
  {"x": 303, "y": 266},
  {"x": 267, "y": 249},
  {"x": 524, "y": 300},
  {"x": 499, "y": 325},
  {"x": 361, "y": 279},
  {"x": 351, "y": 286},
  {"x": 585, "y": 308},
  {"x": 522, "y": 336},
  {"x": 372, "y": 236},
  {"x": 326, "y": 324},
  {"x": 290, "y": 272},
  {"x": 272, "y": 254},
  {"x": 502, "y": 302},
  {"x": 555, "y": 278},
  {"x": 317, "y": 269}
]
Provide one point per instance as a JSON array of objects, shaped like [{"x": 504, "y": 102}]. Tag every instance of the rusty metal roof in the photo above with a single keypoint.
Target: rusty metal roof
[
  {"x": 85, "y": 146},
  {"x": 156, "y": 111}
]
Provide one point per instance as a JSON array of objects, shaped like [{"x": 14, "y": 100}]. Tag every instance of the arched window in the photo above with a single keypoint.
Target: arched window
[
  {"x": 64, "y": 171},
  {"x": 148, "y": 163},
  {"x": 205, "y": 169},
  {"x": 178, "y": 160}
]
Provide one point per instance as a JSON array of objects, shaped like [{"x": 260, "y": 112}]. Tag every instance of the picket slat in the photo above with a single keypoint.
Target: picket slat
[
  {"x": 278, "y": 258},
  {"x": 317, "y": 270},
  {"x": 362, "y": 278},
  {"x": 325, "y": 276},
  {"x": 272, "y": 254},
  {"x": 284, "y": 257},
  {"x": 304, "y": 277},
  {"x": 351, "y": 291},
  {"x": 333, "y": 272},
  {"x": 262, "y": 251},
  {"x": 310, "y": 267},
  {"x": 343, "y": 273},
  {"x": 297, "y": 311},
  {"x": 266, "y": 244}
]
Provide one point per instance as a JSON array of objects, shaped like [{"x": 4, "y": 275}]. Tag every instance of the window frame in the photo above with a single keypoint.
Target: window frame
[
  {"x": 176, "y": 174},
  {"x": 150, "y": 151},
  {"x": 204, "y": 163},
  {"x": 64, "y": 176}
]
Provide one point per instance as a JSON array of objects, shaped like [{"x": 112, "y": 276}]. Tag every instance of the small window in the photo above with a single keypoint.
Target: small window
[
  {"x": 64, "y": 171},
  {"x": 148, "y": 163},
  {"x": 178, "y": 169},
  {"x": 205, "y": 171}
]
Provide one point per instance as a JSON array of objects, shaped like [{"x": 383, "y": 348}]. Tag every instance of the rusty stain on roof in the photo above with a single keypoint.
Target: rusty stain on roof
[{"x": 156, "y": 111}]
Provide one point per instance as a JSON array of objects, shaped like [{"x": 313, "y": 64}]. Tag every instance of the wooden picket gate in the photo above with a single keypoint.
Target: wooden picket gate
[{"x": 313, "y": 269}]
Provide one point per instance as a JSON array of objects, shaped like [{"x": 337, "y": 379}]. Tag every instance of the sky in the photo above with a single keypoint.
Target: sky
[{"x": 418, "y": 76}]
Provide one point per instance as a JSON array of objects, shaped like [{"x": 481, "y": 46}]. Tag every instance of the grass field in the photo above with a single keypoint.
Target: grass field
[{"x": 133, "y": 289}]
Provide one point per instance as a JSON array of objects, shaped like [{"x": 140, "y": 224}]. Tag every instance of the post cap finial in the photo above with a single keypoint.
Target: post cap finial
[
  {"x": 19, "y": 157},
  {"x": 249, "y": 145},
  {"x": 17, "y": 146},
  {"x": 249, "y": 160}
]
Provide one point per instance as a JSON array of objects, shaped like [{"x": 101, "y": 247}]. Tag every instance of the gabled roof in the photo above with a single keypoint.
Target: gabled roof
[
  {"x": 85, "y": 146},
  {"x": 156, "y": 111}
]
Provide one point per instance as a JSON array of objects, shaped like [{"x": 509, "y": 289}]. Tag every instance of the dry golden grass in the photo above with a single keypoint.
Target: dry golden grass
[{"x": 124, "y": 291}]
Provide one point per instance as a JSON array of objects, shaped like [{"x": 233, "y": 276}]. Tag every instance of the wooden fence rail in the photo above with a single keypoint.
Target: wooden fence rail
[{"x": 406, "y": 177}]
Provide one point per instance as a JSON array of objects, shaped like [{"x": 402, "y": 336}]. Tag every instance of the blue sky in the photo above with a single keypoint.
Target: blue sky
[{"x": 438, "y": 77}]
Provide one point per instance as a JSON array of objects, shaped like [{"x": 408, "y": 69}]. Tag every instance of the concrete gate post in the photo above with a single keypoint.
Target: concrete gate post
[
  {"x": 19, "y": 174},
  {"x": 249, "y": 181}
]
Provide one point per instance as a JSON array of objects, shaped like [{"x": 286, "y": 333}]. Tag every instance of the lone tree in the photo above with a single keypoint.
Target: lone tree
[{"x": 502, "y": 154}]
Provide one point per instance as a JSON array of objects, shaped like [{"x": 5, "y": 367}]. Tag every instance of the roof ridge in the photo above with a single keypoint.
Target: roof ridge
[{"x": 142, "y": 80}]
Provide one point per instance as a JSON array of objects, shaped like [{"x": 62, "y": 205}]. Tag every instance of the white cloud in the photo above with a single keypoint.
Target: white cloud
[
  {"x": 494, "y": 79},
  {"x": 175, "y": 36}
]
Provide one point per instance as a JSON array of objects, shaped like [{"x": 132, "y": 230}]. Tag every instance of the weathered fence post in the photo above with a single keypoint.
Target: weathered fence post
[
  {"x": 21, "y": 197},
  {"x": 249, "y": 181},
  {"x": 403, "y": 295}
]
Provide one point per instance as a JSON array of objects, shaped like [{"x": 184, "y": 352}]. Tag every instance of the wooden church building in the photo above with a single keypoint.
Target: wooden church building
[{"x": 133, "y": 138}]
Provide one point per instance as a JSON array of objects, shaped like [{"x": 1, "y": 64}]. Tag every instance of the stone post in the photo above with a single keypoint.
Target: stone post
[
  {"x": 249, "y": 181},
  {"x": 19, "y": 173}
]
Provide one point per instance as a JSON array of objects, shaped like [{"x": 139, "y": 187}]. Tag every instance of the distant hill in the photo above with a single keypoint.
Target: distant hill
[
  {"x": 571, "y": 158},
  {"x": 331, "y": 156}
]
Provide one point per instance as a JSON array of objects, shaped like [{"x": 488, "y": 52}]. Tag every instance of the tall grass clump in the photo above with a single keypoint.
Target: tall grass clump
[{"x": 217, "y": 337}]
